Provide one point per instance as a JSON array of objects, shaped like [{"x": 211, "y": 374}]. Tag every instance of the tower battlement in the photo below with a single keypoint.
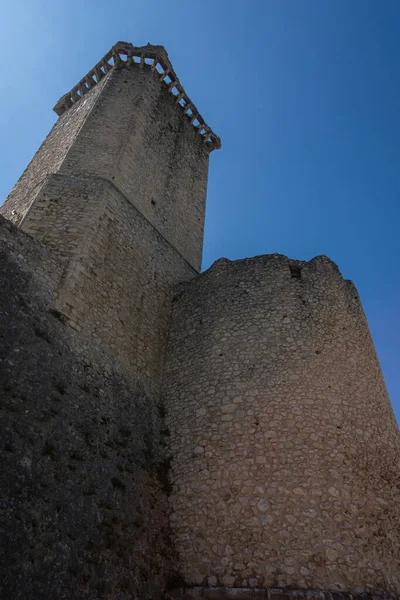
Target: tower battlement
[{"x": 150, "y": 57}]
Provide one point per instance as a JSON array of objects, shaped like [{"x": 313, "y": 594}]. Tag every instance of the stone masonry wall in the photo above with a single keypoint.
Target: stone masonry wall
[
  {"x": 117, "y": 286},
  {"x": 49, "y": 157},
  {"x": 285, "y": 448},
  {"x": 83, "y": 479}
]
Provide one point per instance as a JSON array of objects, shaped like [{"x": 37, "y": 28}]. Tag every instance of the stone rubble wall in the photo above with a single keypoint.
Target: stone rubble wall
[
  {"x": 285, "y": 448},
  {"x": 214, "y": 593},
  {"x": 83, "y": 479},
  {"x": 117, "y": 286},
  {"x": 33, "y": 257}
]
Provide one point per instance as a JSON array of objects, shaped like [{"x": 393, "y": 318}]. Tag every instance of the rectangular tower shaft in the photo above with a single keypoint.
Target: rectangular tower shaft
[{"x": 118, "y": 190}]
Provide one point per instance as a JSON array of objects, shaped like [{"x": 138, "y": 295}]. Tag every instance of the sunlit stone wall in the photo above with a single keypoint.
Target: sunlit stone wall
[{"x": 285, "y": 447}]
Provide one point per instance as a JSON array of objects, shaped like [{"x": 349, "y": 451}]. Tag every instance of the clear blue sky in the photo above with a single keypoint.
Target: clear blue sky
[{"x": 305, "y": 95}]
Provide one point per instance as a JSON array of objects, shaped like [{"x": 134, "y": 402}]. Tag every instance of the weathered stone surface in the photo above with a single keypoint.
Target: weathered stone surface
[
  {"x": 265, "y": 594},
  {"x": 83, "y": 508},
  {"x": 302, "y": 485}
]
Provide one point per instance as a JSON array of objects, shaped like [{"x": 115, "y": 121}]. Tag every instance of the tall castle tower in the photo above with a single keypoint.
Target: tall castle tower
[
  {"x": 118, "y": 188},
  {"x": 285, "y": 453}
]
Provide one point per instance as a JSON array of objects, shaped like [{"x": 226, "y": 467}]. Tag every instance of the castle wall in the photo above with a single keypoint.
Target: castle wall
[
  {"x": 117, "y": 285},
  {"x": 49, "y": 157},
  {"x": 83, "y": 479},
  {"x": 284, "y": 444},
  {"x": 32, "y": 257}
]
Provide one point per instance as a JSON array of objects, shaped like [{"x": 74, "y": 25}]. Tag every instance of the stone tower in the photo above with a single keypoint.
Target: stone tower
[
  {"x": 118, "y": 188},
  {"x": 283, "y": 451},
  {"x": 286, "y": 452}
]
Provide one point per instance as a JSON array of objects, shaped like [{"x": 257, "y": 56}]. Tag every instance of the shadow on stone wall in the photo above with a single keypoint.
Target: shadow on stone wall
[{"x": 83, "y": 482}]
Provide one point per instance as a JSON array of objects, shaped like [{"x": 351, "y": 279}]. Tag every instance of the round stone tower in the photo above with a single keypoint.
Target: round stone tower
[{"x": 285, "y": 450}]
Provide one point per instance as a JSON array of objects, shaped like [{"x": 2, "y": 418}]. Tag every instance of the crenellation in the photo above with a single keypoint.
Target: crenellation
[{"x": 155, "y": 58}]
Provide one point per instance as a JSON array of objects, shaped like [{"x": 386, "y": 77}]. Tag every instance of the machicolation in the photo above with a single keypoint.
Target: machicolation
[{"x": 168, "y": 433}]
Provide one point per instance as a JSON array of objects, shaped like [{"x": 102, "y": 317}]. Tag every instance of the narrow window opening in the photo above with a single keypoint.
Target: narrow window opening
[{"x": 295, "y": 271}]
